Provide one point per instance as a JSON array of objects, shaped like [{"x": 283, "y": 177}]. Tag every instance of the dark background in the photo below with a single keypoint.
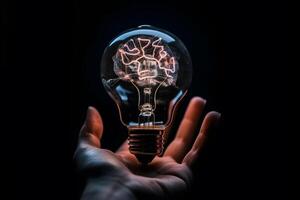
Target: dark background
[{"x": 50, "y": 55}]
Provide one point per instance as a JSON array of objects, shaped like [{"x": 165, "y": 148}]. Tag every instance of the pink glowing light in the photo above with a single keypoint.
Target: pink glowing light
[{"x": 145, "y": 58}]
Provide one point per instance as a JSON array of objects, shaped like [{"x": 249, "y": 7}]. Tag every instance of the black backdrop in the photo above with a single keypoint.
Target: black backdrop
[{"x": 50, "y": 55}]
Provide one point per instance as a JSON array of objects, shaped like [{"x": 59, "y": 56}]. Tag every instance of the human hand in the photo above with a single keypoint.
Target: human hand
[{"x": 118, "y": 175}]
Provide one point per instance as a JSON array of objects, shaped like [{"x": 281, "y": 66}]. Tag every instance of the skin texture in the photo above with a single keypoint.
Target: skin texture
[{"x": 118, "y": 175}]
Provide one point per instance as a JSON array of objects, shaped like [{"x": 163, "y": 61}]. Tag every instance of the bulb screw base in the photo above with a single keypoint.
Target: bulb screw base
[{"x": 145, "y": 144}]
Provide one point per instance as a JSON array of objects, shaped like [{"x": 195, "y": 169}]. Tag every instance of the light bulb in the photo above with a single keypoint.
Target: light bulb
[{"x": 146, "y": 71}]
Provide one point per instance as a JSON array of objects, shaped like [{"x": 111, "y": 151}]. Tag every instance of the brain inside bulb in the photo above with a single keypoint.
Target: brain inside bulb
[
  {"x": 146, "y": 71},
  {"x": 146, "y": 62}
]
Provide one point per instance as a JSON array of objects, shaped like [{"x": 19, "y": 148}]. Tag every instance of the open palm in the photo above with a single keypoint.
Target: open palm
[{"x": 120, "y": 176}]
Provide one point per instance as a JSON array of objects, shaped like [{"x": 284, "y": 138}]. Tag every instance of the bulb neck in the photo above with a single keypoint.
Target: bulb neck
[{"x": 145, "y": 144}]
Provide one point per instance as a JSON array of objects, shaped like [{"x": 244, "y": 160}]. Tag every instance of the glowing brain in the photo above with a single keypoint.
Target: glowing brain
[{"x": 146, "y": 61}]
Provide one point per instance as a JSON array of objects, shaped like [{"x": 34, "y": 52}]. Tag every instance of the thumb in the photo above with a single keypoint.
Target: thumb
[{"x": 92, "y": 129}]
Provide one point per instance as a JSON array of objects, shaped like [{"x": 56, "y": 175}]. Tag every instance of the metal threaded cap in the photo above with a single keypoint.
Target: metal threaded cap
[{"x": 145, "y": 144}]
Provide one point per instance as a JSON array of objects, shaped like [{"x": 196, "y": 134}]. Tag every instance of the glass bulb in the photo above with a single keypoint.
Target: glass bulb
[{"x": 146, "y": 71}]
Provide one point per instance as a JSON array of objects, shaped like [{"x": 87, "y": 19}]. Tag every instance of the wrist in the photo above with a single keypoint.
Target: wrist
[{"x": 107, "y": 188}]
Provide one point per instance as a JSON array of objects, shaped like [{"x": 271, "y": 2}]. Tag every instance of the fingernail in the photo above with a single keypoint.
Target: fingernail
[
  {"x": 218, "y": 119},
  {"x": 89, "y": 116},
  {"x": 89, "y": 111}
]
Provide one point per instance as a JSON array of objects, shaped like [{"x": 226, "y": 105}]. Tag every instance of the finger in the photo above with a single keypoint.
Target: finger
[
  {"x": 92, "y": 129},
  {"x": 209, "y": 123},
  {"x": 184, "y": 137}
]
